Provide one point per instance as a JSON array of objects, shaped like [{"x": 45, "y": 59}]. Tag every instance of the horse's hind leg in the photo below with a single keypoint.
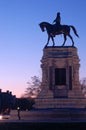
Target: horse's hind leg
[
  {"x": 71, "y": 39},
  {"x": 53, "y": 41},
  {"x": 64, "y": 40}
]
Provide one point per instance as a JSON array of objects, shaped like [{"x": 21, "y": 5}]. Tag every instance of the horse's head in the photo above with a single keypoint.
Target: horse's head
[{"x": 42, "y": 26}]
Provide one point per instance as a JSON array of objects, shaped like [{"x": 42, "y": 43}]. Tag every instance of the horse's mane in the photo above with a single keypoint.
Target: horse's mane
[{"x": 44, "y": 23}]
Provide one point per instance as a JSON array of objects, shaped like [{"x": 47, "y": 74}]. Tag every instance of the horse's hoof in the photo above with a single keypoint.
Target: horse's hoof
[
  {"x": 73, "y": 45},
  {"x": 45, "y": 46}
]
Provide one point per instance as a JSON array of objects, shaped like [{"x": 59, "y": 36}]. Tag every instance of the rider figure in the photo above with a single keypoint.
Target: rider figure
[{"x": 58, "y": 19}]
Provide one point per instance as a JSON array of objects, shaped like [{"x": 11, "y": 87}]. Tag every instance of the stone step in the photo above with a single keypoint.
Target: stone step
[
  {"x": 50, "y": 114},
  {"x": 60, "y": 103}
]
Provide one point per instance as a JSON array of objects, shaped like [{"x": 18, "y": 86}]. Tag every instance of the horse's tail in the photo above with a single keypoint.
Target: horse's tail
[{"x": 74, "y": 30}]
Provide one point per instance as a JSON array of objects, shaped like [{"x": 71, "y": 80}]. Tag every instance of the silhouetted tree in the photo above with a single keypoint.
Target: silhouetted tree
[
  {"x": 83, "y": 85},
  {"x": 34, "y": 87},
  {"x": 24, "y": 103}
]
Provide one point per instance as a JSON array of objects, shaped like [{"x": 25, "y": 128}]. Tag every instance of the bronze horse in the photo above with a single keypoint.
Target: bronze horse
[{"x": 53, "y": 30}]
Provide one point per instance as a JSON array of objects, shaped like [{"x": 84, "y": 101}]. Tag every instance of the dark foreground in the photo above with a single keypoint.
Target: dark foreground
[
  {"x": 42, "y": 126},
  {"x": 60, "y": 119}
]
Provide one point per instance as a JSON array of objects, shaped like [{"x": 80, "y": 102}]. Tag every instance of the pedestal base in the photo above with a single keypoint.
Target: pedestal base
[{"x": 60, "y": 79}]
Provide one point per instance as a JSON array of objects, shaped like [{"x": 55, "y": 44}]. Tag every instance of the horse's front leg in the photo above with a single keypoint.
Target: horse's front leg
[
  {"x": 53, "y": 41},
  {"x": 64, "y": 40},
  {"x": 71, "y": 39},
  {"x": 47, "y": 41}
]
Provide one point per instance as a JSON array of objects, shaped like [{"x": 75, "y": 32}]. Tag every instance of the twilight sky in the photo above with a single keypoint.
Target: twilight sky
[{"x": 22, "y": 42}]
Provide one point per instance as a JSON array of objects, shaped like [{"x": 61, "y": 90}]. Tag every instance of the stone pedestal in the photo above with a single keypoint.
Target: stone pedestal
[{"x": 60, "y": 79}]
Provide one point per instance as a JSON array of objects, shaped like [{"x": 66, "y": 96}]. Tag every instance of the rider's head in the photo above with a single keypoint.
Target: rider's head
[{"x": 58, "y": 13}]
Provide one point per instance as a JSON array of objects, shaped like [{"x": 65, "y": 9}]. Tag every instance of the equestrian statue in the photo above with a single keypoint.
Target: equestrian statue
[{"x": 57, "y": 29}]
